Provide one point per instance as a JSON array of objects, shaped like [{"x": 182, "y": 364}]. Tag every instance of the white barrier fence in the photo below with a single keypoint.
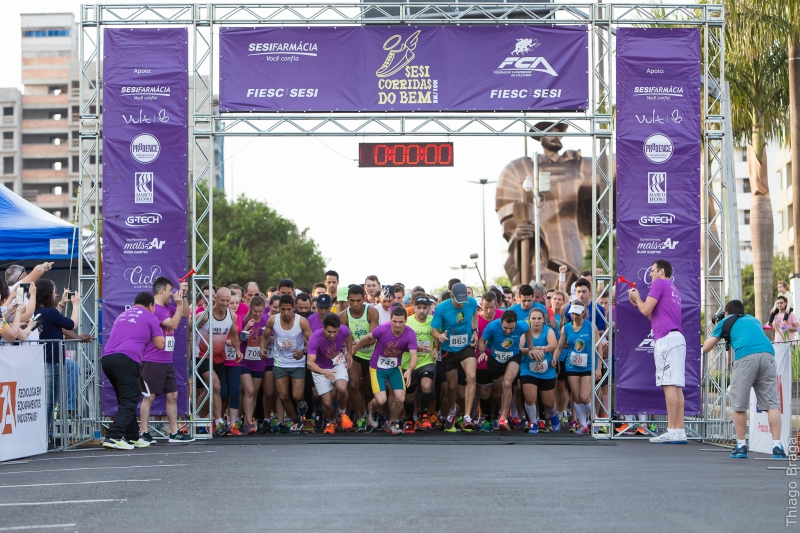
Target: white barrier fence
[{"x": 23, "y": 412}]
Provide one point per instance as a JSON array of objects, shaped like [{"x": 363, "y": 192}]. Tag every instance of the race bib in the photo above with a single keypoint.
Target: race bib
[
  {"x": 386, "y": 363},
  {"x": 458, "y": 341},
  {"x": 578, "y": 359},
  {"x": 285, "y": 343},
  {"x": 502, "y": 357},
  {"x": 424, "y": 345},
  {"x": 339, "y": 359},
  {"x": 253, "y": 353},
  {"x": 539, "y": 367},
  {"x": 230, "y": 353},
  {"x": 169, "y": 345}
]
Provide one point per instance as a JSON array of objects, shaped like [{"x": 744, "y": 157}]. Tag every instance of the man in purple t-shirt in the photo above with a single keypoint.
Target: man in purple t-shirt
[
  {"x": 133, "y": 332},
  {"x": 663, "y": 308},
  {"x": 391, "y": 340},
  {"x": 158, "y": 371},
  {"x": 329, "y": 356}
]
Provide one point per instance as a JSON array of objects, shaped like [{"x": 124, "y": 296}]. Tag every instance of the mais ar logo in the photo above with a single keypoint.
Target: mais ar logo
[{"x": 8, "y": 416}]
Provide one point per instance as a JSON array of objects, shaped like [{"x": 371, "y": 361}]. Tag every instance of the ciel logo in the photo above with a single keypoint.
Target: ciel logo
[
  {"x": 139, "y": 277},
  {"x": 8, "y": 403}
]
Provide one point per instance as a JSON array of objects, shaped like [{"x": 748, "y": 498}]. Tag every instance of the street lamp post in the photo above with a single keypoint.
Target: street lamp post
[
  {"x": 483, "y": 183},
  {"x": 538, "y": 183}
]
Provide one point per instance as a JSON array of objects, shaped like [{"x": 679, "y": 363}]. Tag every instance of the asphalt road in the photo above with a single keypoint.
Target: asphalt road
[{"x": 291, "y": 483}]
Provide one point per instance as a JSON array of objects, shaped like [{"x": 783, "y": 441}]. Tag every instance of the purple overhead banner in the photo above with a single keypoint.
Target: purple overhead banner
[
  {"x": 145, "y": 142},
  {"x": 404, "y": 68},
  {"x": 658, "y": 201}
]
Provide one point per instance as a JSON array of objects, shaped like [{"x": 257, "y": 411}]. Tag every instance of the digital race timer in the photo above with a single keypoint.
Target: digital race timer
[{"x": 405, "y": 155}]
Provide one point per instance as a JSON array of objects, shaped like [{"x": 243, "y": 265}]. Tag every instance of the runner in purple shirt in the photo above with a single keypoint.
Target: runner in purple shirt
[
  {"x": 663, "y": 308},
  {"x": 391, "y": 339},
  {"x": 132, "y": 332},
  {"x": 254, "y": 364},
  {"x": 330, "y": 354}
]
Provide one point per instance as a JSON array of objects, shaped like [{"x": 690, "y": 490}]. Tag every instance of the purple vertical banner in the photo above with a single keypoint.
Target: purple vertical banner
[
  {"x": 658, "y": 201},
  {"x": 145, "y": 145}
]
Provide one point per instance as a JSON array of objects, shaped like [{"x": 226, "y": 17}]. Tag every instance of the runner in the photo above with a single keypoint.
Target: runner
[
  {"x": 373, "y": 288},
  {"x": 273, "y": 412},
  {"x": 483, "y": 378},
  {"x": 291, "y": 332},
  {"x": 332, "y": 286},
  {"x": 505, "y": 341},
  {"x": 329, "y": 363},
  {"x": 360, "y": 320},
  {"x": 538, "y": 374},
  {"x": 385, "y": 307},
  {"x": 424, "y": 375},
  {"x": 250, "y": 290},
  {"x": 456, "y": 329},
  {"x": 302, "y": 305},
  {"x": 574, "y": 347},
  {"x": 157, "y": 369},
  {"x": 528, "y": 297},
  {"x": 317, "y": 289},
  {"x": 390, "y": 340},
  {"x": 323, "y": 308},
  {"x": 286, "y": 287},
  {"x": 557, "y": 301},
  {"x": 254, "y": 363}
]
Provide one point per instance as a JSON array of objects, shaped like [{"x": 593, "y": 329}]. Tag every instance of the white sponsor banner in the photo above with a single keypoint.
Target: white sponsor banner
[
  {"x": 23, "y": 418},
  {"x": 760, "y": 435}
]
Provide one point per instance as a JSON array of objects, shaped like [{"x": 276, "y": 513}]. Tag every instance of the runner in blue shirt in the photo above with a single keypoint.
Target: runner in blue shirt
[{"x": 538, "y": 373}]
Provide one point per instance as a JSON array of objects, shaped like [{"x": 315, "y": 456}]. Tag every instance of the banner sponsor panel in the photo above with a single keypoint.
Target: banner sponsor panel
[
  {"x": 404, "y": 68},
  {"x": 23, "y": 406},
  {"x": 658, "y": 201},
  {"x": 145, "y": 165}
]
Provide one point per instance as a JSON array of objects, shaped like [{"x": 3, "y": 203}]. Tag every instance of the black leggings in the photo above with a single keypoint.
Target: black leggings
[{"x": 229, "y": 380}]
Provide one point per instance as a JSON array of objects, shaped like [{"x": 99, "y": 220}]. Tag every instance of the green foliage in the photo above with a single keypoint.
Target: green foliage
[
  {"x": 253, "y": 243},
  {"x": 782, "y": 269},
  {"x": 503, "y": 281},
  {"x": 602, "y": 254}
]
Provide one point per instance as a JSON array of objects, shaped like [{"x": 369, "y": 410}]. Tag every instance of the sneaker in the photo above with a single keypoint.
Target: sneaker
[
  {"x": 147, "y": 437},
  {"x": 574, "y": 426},
  {"x": 117, "y": 444},
  {"x": 373, "y": 422},
  {"x": 235, "y": 431},
  {"x": 533, "y": 429},
  {"x": 583, "y": 430},
  {"x": 434, "y": 420},
  {"x": 139, "y": 443},
  {"x": 739, "y": 452},
  {"x": 239, "y": 425},
  {"x": 622, "y": 429},
  {"x": 542, "y": 426},
  {"x": 668, "y": 438},
  {"x": 419, "y": 423},
  {"x": 273, "y": 425},
  {"x": 409, "y": 427},
  {"x": 450, "y": 421},
  {"x": 468, "y": 425},
  {"x": 308, "y": 426},
  {"x": 180, "y": 438},
  {"x": 330, "y": 428},
  {"x": 263, "y": 427},
  {"x": 296, "y": 428},
  {"x": 345, "y": 421},
  {"x": 283, "y": 428},
  {"x": 302, "y": 408},
  {"x": 202, "y": 431},
  {"x": 249, "y": 429},
  {"x": 778, "y": 452},
  {"x": 361, "y": 425},
  {"x": 486, "y": 427},
  {"x": 518, "y": 423},
  {"x": 394, "y": 428},
  {"x": 502, "y": 425},
  {"x": 640, "y": 430},
  {"x": 222, "y": 429},
  {"x": 564, "y": 420},
  {"x": 555, "y": 424}
]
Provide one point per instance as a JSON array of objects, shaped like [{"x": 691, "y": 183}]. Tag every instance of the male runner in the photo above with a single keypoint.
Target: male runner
[
  {"x": 385, "y": 307},
  {"x": 332, "y": 286},
  {"x": 302, "y": 305},
  {"x": 424, "y": 375},
  {"x": 504, "y": 339},
  {"x": 286, "y": 286},
  {"x": 455, "y": 327},
  {"x": 483, "y": 378},
  {"x": 360, "y": 320},
  {"x": 157, "y": 365},
  {"x": 663, "y": 308},
  {"x": 391, "y": 340},
  {"x": 317, "y": 289},
  {"x": 373, "y": 288},
  {"x": 528, "y": 297},
  {"x": 329, "y": 363},
  {"x": 291, "y": 332},
  {"x": 250, "y": 290},
  {"x": 323, "y": 308}
]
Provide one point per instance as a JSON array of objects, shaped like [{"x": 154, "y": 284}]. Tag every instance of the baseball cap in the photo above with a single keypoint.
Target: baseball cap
[
  {"x": 459, "y": 291},
  {"x": 341, "y": 294},
  {"x": 422, "y": 300},
  {"x": 323, "y": 300},
  {"x": 574, "y": 309}
]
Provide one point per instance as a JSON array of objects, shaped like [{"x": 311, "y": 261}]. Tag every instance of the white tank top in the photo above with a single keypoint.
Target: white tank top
[
  {"x": 286, "y": 342},
  {"x": 383, "y": 315},
  {"x": 221, "y": 328}
]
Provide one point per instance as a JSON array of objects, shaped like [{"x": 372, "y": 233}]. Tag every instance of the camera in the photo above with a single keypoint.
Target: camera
[
  {"x": 716, "y": 318},
  {"x": 70, "y": 294}
]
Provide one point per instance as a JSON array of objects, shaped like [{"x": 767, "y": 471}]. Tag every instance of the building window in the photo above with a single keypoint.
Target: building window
[
  {"x": 8, "y": 140},
  {"x": 744, "y": 155},
  {"x": 788, "y": 174},
  {"x": 746, "y": 217},
  {"x": 8, "y": 165},
  {"x": 8, "y": 115},
  {"x": 746, "y": 185},
  {"x": 45, "y": 33},
  {"x": 57, "y": 165},
  {"x": 790, "y": 216}
]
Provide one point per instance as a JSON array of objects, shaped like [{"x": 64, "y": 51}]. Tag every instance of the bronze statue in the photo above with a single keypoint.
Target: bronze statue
[{"x": 565, "y": 213}]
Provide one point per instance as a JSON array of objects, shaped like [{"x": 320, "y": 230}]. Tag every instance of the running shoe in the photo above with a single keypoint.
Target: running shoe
[
  {"x": 235, "y": 431},
  {"x": 238, "y": 424},
  {"x": 584, "y": 430},
  {"x": 574, "y": 426},
  {"x": 394, "y": 428},
  {"x": 778, "y": 452},
  {"x": 345, "y": 421},
  {"x": 117, "y": 444},
  {"x": 459, "y": 421},
  {"x": 486, "y": 427},
  {"x": 555, "y": 424},
  {"x": 640, "y": 430},
  {"x": 302, "y": 408},
  {"x": 248, "y": 429},
  {"x": 668, "y": 438},
  {"x": 139, "y": 443},
  {"x": 330, "y": 428},
  {"x": 263, "y": 427},
  {"x": 202, "y": 431},
  {"x": 601, "y": 429},
  {"x": 373, "y": 422},
  {"x": 533, "y": 429},
  {"x": 296, "y": 428},
  {"x": 147, "y": 437},
  {"x": 273, "y": 425},
  {"x": 450, "y": 421},
  {"x": 426, "y": 422},
  {"x": 434, "y": 420},
  {"x": 467, "y": 425},
  {"x": 502, "y": 425},
  {"x": 652, "y": 427},
  {"x": 409, "y": 427},
  {"x": 519, "y": 423},
  {"x": 623, "y": 428},
  {"x": 308, "y": 426},
  {"x": 180, "y": 438},
  {"x": 319, "y": 424},
  {"x": 222, "y": 429},
  {"x": 542, "y": 426},
  {"x": 564, "y": 420},
  {"x": 739, "y": 452},
  {"x": 361, "y": 425}
]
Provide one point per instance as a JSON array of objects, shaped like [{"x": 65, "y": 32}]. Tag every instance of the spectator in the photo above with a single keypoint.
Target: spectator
[{"x": 784, "y": 321}]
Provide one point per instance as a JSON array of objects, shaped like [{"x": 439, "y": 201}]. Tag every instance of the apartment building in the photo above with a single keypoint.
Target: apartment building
[{"x": 781, "y": 194}]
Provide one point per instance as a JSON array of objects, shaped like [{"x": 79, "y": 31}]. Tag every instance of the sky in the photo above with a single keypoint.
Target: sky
[{"x": 404, "y": 225}]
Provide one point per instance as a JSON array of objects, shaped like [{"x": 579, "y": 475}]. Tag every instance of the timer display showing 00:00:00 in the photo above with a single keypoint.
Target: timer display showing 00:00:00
[{"x": 405, "y": 155}]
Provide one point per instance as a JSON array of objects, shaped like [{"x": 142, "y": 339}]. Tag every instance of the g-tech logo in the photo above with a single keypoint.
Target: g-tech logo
[
  {"x": 656, "y": 187},
  {"x": 145, "y": 219},
  {"x": 143, "y": 187},
  {"x": 8, "y": 407},
  {"x": 145, "y": 148},
  {"x": 658, "y": 148},
  {"x": 658, "y": 219},
  {"x": 525, "y": 66}
]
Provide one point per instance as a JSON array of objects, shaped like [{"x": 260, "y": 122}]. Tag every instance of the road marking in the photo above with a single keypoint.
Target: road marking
[
  {"x": 44, "y": 526},
  {"x": 104, "y": 456},
  {"x": 61, "y": 503},
  {"x": 78, "y": 483},
  {"x": 88, "y": 468}
]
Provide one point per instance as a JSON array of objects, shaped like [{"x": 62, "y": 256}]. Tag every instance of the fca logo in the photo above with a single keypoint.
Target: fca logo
[{"x": 8, "y": 395}]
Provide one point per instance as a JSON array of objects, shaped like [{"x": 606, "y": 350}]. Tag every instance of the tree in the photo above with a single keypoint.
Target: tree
[
  {"x": 757, "y": 69},
  {"x": 782, "y": 269},
  {"x": 253, "y": 243}
]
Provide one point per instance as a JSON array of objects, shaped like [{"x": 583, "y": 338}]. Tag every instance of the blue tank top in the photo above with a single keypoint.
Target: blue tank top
[
  {"x": 578, "y": 349},
  {"x": 537, "y": 369}
]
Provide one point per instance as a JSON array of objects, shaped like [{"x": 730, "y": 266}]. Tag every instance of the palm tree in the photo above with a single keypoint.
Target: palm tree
[{"x": 758, "y": 72}]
